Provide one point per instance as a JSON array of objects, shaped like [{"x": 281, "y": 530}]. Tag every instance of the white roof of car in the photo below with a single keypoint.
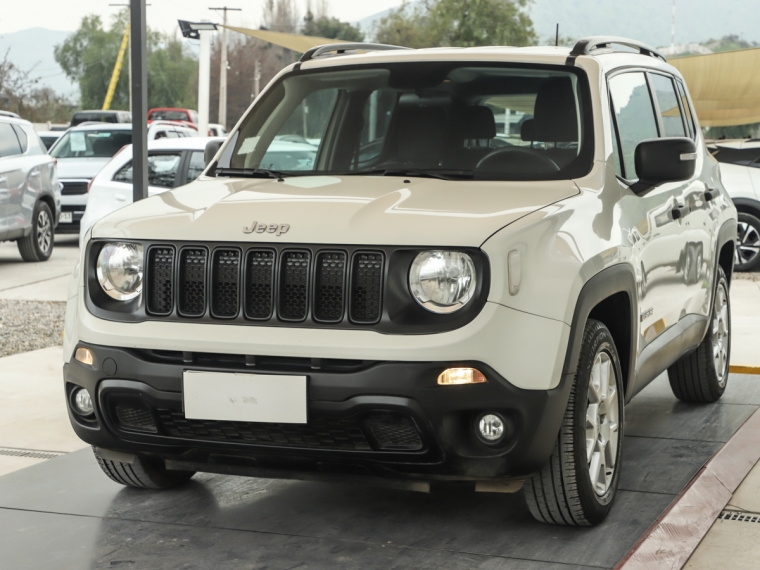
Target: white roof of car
[
  {"x": 739, "y": 143},
  {"x": 188, "y": 143},
  {"x": 101, "y": 126}
]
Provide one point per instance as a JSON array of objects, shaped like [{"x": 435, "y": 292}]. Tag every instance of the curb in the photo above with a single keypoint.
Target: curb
[
  {"x": 740, "y": 369},
  {"x": 675, "y": 535}
]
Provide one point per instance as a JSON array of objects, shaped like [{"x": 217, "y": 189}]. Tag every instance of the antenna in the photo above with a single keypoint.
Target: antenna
[{"x": 556, "y": 36}]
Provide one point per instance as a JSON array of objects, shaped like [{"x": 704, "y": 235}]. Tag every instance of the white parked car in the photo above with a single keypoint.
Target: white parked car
[
  {"x": 171, "y": 163},
  {"x": 740, "y": 169},
  {"x": 217, "y": 130},
  {"x": 83, "y": 150},
  {"x": 49, "y": 138},
  {"x": 421, "y": 296}
]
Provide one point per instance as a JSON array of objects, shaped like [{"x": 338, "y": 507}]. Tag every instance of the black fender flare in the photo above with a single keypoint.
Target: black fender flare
[{"x": 619, "y": 278}]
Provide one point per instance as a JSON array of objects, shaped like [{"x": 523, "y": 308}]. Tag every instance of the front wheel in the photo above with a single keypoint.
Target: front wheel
[
  {"x": 578, "y": 484},
  {"x": 142, "y": 473}
]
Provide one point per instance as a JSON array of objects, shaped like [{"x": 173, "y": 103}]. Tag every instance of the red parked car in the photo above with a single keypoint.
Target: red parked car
[{"x": 187, "y": 116}]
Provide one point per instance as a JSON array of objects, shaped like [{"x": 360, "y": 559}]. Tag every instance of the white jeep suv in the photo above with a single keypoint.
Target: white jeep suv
[{"x": 489, "y": 253}]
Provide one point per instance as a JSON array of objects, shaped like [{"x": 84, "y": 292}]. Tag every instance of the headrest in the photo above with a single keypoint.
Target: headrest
[
  {"x": 421, "y": 133},
  {"x": 527, "y": 130},
  {"x": 477, "y": 123},
  {"x": 555, "y": 119}
]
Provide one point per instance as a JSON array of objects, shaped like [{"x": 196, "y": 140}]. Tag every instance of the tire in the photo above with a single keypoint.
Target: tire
[
  {"x": 702, "y": 375},
  {"x": 562, "y": 492},
  {"x": 144, "y": 473},
  {"x": 38, "y": 245},
  {"x": 747, "y": 252}
]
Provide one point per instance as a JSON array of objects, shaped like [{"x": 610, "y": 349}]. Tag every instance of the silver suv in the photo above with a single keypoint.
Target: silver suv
[{"x": 30, "y": 196}]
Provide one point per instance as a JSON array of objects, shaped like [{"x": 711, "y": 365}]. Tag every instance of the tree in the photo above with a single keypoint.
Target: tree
[
  {"x": 462, "y": 23},
  {"x": 88, "y": 57},
  {"x": 330, "y": 27},
  {"x": 20, "y": 93}
]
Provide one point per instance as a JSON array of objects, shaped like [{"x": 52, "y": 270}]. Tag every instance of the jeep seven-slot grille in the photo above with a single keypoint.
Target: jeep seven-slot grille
[{"x": 260, "y": 284}]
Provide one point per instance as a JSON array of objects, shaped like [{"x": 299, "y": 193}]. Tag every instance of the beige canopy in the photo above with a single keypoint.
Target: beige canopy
[
  {"x": 725, "y": 86},
  {"x": 295, "y": 42}
]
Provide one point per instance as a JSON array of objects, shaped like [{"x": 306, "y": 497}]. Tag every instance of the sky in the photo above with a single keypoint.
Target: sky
[{"x": 163, "y": 14}]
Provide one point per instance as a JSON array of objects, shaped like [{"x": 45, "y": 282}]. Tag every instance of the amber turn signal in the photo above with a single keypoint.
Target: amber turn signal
[
  {"x": 453, "y": 376},
  {"x": 84, "y": 355}
]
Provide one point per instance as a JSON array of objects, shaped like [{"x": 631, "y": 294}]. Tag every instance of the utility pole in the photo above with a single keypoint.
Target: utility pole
[
  {"x": 139, "y": 90},
  {"x": 204, "y": 80},
  {"x": 223, "y": 67},
  {"x": 673, "y": 29},
  {"x": 257, "y": 79}
]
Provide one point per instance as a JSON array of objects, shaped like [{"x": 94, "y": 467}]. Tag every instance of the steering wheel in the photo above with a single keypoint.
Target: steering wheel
[{"x": 515, "y": 160}]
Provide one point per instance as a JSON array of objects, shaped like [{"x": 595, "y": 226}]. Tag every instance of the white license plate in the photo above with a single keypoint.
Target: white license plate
[
  {"x": 66, "y": 218},
  {"x": 244, "y": 397}
]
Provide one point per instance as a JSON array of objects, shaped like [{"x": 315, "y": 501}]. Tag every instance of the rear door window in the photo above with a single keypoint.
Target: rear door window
[
  {"x": 9, "y": 145},
  {"x": 634, "y": 115},
  {"x": 667, "y": 101}
]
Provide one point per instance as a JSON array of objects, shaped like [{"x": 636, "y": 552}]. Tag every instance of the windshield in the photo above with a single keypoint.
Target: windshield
[
  {"x": 168, "y": 116},
  {"x": 485, "y": 121},
  {"x": 80, "y": 118},
  {"x": 102, "y": 143}
]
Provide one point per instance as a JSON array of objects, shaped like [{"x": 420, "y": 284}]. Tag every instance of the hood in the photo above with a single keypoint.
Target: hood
[
  {"x": 335, "y": 210},
  {"x": 69, "y": 168}
]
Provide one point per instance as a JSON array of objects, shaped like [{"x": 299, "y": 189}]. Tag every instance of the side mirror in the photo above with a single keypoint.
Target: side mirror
[
  {"x": 212, "y": 147},
  {"x": 662, "y": 160}
]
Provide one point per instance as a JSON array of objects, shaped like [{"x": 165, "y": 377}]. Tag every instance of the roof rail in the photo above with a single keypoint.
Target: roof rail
[
  {"x": 586, "y": 46},
  {"x": 344, "y": 47}
]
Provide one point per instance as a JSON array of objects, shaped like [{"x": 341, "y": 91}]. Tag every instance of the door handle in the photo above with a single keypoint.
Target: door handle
[
  {"x": 710, "y": 194},
  {"x": 680, "y": 212}
]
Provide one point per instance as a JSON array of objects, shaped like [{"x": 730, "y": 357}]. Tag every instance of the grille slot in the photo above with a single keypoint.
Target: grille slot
[
  {"x": 160, "y": 296},
  {"x": 325, "y": 433},
  {"x": 366, "y": 287},
  {"x": 294, "y": 285},
  {"x": 74, "y": 188},
  {"x": 394, "y": 432},
  {"x": 259, "y": 284},
  {"x": 192, "y": 282},
  {"x": 329, "y": 286},
  {"x": 225, "y": 283}
]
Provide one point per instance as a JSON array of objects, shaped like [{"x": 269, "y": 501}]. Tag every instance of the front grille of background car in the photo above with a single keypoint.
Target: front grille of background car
[
  {"x": 74, "y": 188},
  {"x": 262, "y": 284}
]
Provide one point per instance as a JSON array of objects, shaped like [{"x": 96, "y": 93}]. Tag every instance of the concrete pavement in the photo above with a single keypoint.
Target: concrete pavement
[{"x": 44, "y": 281}]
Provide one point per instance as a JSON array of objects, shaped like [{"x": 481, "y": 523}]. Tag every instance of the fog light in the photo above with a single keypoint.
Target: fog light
[
  {"x": 491, "y": 428},
  {"x": 84, "y": 355},
  {"x": 454, "y": 376},
  {"x": 83, "y": 402}
]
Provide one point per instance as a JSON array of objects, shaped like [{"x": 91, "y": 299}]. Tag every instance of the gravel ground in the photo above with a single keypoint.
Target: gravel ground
[{"x": 30, "y": 325}]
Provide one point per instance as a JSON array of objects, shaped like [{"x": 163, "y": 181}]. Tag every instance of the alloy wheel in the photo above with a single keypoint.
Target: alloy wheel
[
  {"x": 602, "y": 427},
  {"x": 44, "y": 231},
  {"x": 748, "y": 244},
  {"x": 720, "y": 334}
]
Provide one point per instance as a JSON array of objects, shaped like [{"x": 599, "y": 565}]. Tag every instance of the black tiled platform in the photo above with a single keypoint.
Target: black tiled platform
[{"x": 65, "y": 514}]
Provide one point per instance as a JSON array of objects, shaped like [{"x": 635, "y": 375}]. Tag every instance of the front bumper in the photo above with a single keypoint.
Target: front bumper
[{"x": 138, "y": 410}]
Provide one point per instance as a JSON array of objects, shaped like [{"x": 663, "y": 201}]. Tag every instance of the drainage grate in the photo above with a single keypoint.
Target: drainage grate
[
  {"x": 740, "y": 516},
  {"x": 30, "y": 453}
]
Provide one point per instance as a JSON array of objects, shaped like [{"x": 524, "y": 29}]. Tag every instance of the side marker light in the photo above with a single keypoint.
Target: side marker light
[
  {"x": 84, "y": 355},
  {"x": 455, "y": 376}
]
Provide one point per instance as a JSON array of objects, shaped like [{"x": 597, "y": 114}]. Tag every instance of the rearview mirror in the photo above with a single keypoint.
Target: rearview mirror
[
  {"x": 672, "y": 159},
  {"x": 212, "y": 147}
]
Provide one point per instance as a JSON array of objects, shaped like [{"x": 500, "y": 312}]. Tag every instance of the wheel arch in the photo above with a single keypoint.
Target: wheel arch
[
  {"x": 725, "y": 249},
  {"x": 747, "y": 206},
  {"x": 610, "y": 297}
]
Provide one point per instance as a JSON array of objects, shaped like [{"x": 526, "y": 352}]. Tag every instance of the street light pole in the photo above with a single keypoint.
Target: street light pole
[
  {"x": 139, "y": 89},
  {"x": 223, "y": 68},
  {"x": 204, "y": 80}
]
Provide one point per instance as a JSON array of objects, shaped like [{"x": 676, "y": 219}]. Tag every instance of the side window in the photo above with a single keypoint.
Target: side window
[
  {"x": 162, "y": 170},
  {"x": 9, "y": 145},
  {"x": 22, "y": 138},
  {"x": 196, "y": 166},
  {"x": 634, "y": 114},
  {"x": 667, "y": 100},
  {"x": 686, "y": 109}
]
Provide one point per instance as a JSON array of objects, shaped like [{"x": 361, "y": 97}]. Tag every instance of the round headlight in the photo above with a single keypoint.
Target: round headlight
[
  {"x": 442, "y": 281},
  {"x": 120, "y": 270}
]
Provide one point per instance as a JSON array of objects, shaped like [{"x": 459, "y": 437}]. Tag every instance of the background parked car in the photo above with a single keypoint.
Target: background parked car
[
  {"x": 49, "y": 138},
  {"x": 101, "y": 117},
  {"x": 740, "y": 171},
  {"x": 217, "y": 130},
  {"x": 30, "y": 196},
  {"x": 173, "y": 114},
  {"x": 82, "y": 151},
  {"x": 171, "y": 163}
]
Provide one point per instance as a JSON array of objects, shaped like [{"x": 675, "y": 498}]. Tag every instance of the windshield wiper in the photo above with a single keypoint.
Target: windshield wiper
[
  {"x": 419, "y": 173},
  {"x": 251, "y": 173}
]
